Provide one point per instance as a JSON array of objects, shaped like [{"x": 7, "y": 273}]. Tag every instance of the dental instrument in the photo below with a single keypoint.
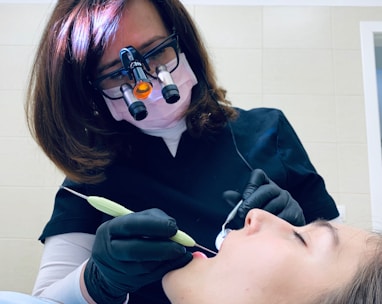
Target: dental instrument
[
  {"x": 223, "y": 233},
  {"x": 231, "y": 215},
  {"x": 112, "y": 208}
]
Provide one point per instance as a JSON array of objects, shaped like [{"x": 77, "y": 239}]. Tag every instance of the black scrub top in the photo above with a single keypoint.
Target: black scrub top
[{"x": 189, "y": 186}]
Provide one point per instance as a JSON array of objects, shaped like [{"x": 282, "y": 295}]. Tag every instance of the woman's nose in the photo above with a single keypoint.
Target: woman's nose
[{"x": 257, "y": 219}]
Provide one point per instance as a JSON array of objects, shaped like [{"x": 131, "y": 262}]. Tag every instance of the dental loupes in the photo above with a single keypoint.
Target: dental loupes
[{"x": 112, "y": 208}]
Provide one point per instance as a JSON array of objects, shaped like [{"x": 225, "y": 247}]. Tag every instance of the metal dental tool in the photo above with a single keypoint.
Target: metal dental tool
[
  {"x": 223, "y": 233},
  {"x": 230, "y": 216},
  {"x": 109, "y": 207}
]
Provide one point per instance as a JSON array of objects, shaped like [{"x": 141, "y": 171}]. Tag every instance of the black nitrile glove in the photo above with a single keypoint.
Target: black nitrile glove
[
  {"x": 263, "y": 193},
  {"x": 130, "y": 252}
]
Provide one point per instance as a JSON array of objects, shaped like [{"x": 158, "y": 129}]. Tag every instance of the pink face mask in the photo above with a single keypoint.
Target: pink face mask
[{"x": 161, "y": 115}]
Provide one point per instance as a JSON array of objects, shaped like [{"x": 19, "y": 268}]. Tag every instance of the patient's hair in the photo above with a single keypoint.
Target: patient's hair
[{"x": 366, "y": 285}]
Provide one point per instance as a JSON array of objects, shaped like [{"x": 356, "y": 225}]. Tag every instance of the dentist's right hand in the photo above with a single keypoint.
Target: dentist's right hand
[{"x": 132, "y": 251}]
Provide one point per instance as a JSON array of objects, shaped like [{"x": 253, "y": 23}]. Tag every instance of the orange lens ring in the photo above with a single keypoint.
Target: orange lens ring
[{"x": 142, "y": 90}]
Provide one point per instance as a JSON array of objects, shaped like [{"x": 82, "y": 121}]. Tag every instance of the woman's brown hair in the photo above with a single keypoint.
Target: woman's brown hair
[{"x": 70, "y": 120}]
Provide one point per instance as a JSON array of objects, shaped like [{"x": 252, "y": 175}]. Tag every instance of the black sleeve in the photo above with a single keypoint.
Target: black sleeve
[
  {"x": 303, "y": 181},
  {"x": 71, "y": 213}
]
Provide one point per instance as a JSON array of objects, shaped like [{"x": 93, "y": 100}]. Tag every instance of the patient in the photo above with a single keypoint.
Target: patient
[{"x": 270, "y": 261}]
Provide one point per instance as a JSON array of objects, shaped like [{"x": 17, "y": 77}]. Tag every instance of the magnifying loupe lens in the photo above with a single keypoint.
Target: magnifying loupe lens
[{"x": 142, "y": 90}]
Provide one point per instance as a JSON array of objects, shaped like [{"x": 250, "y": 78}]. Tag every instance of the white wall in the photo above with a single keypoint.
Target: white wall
[
  {"x": 305, "y": 60},
  {"x": 27, "y": 180}
]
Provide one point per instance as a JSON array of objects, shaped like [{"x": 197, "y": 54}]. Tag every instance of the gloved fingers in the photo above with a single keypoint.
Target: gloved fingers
[
  {"x": 142, "y": 250},
  {"x": 258, "y": 199},
  {"x": 150, "y": 223},
  {"x": 257, "y": 179},
  {"x": 231, "y": 197},
  {"x": 157, "y": 271},
  {"x": 278, "y": 203},
  {"x": 273, "y": 199},
  {"x": 130, "y": 252},
  {"x": 144, "y": 273},
  {"x": 293, "y": 214},
  {"x": 179, "y": 262}
]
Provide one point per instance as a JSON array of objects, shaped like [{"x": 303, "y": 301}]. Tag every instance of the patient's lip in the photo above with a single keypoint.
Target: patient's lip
[{"x": 199, "y": 255}]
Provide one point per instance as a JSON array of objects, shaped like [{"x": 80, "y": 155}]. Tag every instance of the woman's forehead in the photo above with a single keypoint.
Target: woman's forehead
[
  {"x": 354, "y": 240},
  {"x": 140, "y": 24}
]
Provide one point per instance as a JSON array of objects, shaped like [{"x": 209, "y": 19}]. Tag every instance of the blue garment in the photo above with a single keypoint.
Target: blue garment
[{"x": 189, "y": 186}]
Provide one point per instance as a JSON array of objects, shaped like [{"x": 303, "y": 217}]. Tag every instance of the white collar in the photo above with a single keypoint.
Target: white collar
[{"x": 171, "y": 136}]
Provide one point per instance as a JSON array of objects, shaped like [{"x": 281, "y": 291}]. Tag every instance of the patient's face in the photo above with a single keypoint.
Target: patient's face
[{"x": 270, "y": 261}]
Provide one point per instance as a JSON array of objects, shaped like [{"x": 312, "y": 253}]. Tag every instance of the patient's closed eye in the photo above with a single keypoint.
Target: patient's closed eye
[{"x": 300, "y": 238}]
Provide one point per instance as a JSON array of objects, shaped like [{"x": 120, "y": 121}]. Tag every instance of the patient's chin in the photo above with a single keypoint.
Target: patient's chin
[{"x": 174, "y": 291}]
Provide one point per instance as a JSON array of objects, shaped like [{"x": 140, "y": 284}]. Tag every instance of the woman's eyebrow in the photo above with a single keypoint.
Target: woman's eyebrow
[
  {"x": 108, "y": 65},
  {"x": 143, "y": 46},
  {"x": 331, "y": 228}
]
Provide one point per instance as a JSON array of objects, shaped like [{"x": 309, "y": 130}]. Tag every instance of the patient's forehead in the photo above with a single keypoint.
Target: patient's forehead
[{"x": 359, "y": 240}]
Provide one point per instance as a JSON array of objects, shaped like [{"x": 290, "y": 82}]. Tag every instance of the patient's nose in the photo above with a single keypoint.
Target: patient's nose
[{"x": 258, "y": 219}]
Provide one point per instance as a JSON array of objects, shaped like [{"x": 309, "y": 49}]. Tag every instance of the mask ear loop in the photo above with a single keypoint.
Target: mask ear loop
[
  {"x": 225, "y": 231},
  {"x": 237, "y": 148},
  {"x": 229, "y": 125}
]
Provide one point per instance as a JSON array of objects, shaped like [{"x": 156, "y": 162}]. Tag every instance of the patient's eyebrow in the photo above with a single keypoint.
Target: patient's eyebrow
[{"x": 331, "y": 228}]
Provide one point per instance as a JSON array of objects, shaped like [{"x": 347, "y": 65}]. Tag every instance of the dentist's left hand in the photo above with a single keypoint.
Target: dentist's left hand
[
  {"x": 261, "y": 192},
  {"x": 132, "y": 251}
]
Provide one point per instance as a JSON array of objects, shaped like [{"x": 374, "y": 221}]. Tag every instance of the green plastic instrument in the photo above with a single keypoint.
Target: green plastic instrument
[{"x": 112, "y": 208}]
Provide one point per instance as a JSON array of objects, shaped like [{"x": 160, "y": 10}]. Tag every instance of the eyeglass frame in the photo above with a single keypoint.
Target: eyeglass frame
[{"x": 170, "y": 41}]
